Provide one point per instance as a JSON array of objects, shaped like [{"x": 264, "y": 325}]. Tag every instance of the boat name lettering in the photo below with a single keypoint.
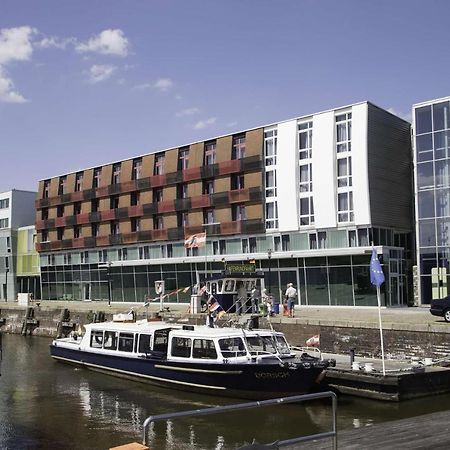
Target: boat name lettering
[{"x": 272, "y": 375}]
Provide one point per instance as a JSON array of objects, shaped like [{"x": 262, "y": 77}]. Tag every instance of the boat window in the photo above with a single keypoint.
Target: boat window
[
  {"x": 219, "y": 286},
  {"x": 110, "y": 341},
  {"x": 126, "y": 342},
  {"x": 232, "y": 347},
  {"x": 229, "y": 286},
  {"x": 261, "y": 344},
  {"x": 204, "y": 349},
  {"x": 96, "y": 339},
  {"x": 161, "y": 340},
  {"x": 283, "y": 346},
  {"x": 181, "y": 347},
  {"x": 145, "y": 343}
]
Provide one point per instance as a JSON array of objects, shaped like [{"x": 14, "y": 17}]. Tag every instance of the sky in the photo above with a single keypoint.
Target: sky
[{"x": 88, "y": 82}]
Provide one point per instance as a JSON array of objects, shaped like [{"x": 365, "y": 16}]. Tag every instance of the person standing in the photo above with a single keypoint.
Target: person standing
[
  {"x": 254, "y": 297},
  {"x": 291, "y": 295},
  {"x": 241, "y": 299}
]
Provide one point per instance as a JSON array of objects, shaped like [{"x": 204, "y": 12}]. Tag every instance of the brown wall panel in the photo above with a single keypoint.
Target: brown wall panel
[
  {"x": 70, "y": 184},
  {"x": 148, "y": 163},
  {"x": 146, "y": 197},
  {"x": 104, "y": 229},
  {"x": 223, "y": 215},
  {"x": 254, "y": 142},
  {"x": 53, "y": 191},
  {"x": 222, "y": 184},
  {"x": 170, "y": 193},
  {"x": 254, "y": 211},
  {"x": 68, "y": 233},
  {"x": 106, "y": 175},
  {"x": 170, "y": 221},
  {"x": 146, "y": 224},
  {"x": 124, "y": 200},
  {"x": 196, "y": 155},
  {"x": 223, "y": 149},
  {"x": 85, "y": 207},
  {"x": 52, "y": 235},
  {"x": 126, "y": 169},
  {"x": 252, "y": 180},
  {"x": 195, "y": 189},
  {"x": 51, "y": 213},
  {"x": 88, "y": 177},
  {"x": 104, "y": 204},
  {"x": 171, "y": 161},
  {"x": 40, "y": 193},
  {"x": 125, "y": 226},
  {"x": 85, "y": 231},
  {"x": 195, "y": 218}
]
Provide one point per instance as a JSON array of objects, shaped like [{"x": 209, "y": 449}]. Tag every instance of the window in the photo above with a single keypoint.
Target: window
[
  {"x": 79, "y": 182},
  {"x": 306, "y": 211},
  {"x": 103, "y": 256},
  {"x": 44, "y": 236},
  {"x": 97, "y": 177},
  {"x": 344, "y": 171},
  {"x": 126, "y": 342},
  {"x": 306, "y": 178},
  {"x": 271, "y": 215},
  {"x": 166, "y": 251},
  {"x": 232, "y": 347},
  {"x": 135, "y": 225},
  {"x": 44, "y": 214},
  {"x": 219, "y": 247},
  {"x": 322, "y": 239},
  {"x": 96, "y": 339},
  {"x": 208, "y": 216},
  {"x": 159, "y": 165},
  {"x": 237, "y": 181},
  {"x": 344, "y": 132},
  {"x": 137, "y": 169},
  {"x": 158, "y": 223},
  {"x": 135, "y": 198},
  {"x": 76, "y": 231},
  {"x": 145, "y": 343},
  {"x": 345, "y": 207},
  {"x": 249, "y": 245},
  {"x": 210, "y": 153},
  {"x": 84, "y": 257},
  {"x": 95, "y": 205},
  {"x": 46, "y": 189},
  {"x": 238, "y": 212},
  {"x": 182, "y": 219},
  {"x": 62, "y": 185},
  {"x": 208, "y": 187},
  {"x": 181, "y": 347},
  {"x": 76, "y": 208},
  {"x": 271, "y": 183},
  {"x": 60, "y": 234},
  {"x": 114, "y": 228},
  {"x": 157, "y": 195},
  {"x": 192, "y": 251},
  {"x": 144, "y": 252},
  {"x": 4, "y": 203},
  {"x": 114, "y": 202},
  {"x": 352, "y": 238},
  {"x": 282, "y": 243},
  {"x": 116, "y": 169},
  {"x": 122, "y": 254},
  {"x": 60, "y": 211},
  {"x": 183, "y": 158},
  {"x": 4, "y": 223},
  {"x": 110, "y": 340},
  {"x": 238, "y": 149},
  {"x": 312, "y": 241},
  {"x": 94, "y": 229},
  {"x": 182, "y": 191},
  {"x": 204, "y": 349},
  {"x": 270, "y": 147},
  {"x": 67, "y": 258},
  {"x": 305, "y": 140}
]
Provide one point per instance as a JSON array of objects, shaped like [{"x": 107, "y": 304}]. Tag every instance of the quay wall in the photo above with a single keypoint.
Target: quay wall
[{"x": 401, "y": 341}]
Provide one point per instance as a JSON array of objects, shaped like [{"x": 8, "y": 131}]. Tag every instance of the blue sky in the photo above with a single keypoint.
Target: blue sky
[{"x": 88, "y": 82}]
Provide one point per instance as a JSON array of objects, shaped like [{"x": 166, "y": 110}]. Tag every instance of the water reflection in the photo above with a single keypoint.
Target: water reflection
[{"x": 46, "y": 405}]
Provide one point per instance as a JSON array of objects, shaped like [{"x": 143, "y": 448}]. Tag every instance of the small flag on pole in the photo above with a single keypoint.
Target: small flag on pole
[
  {"x": 186, "y": 289},
  {"x": 195, "y": 240},
  {"x": 313, "y": 341},
  {"x": 376, "y": 272}
]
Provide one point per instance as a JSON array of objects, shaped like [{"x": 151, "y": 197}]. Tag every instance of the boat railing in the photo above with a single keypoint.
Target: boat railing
[
  {"x": 251, "y": 405},
  {"x": 308, "y": 350}
]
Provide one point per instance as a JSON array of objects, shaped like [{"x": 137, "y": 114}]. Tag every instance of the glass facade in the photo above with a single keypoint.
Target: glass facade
[{"x": 432, "y": 164}]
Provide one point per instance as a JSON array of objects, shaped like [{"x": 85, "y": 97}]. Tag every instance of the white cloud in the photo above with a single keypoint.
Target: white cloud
[
  {"x": 15, "y": 44},
  {"x": 406, "y": 116},
  {"x": 100, "y": 72},
  {"x": 55, "y": 42},
  {"x": 108, "y": 42},
  {"x": 143, "y": 86},
  {"x": 7, "y": 92},
  {"x": 163, "y": 84},
  {"x": 204, "y": 123},
  {"x": 187, "y": 112}
]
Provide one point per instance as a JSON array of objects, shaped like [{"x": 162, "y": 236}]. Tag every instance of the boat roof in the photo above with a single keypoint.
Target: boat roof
[{"x": 139, "y": 326}]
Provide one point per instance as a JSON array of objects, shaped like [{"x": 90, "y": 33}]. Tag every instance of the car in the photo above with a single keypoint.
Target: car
[{"x": 441, "y": 307}]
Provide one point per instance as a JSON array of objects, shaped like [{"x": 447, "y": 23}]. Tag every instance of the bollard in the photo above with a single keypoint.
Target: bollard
[{"x": 352, "y": 356}]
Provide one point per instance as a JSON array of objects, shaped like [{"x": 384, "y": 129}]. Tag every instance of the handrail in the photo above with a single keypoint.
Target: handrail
[{"x": 250, "y": 405}]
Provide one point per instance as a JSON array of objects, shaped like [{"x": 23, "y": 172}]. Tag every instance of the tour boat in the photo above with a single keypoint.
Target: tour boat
[{"x": 228, "y": 361}]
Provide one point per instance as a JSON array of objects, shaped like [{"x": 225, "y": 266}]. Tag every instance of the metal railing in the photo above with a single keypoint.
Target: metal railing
[{"x": 276, "y": 401}]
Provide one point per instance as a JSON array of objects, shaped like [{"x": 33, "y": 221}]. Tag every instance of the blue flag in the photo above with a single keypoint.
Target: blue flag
[{"x": 376, "y": 272}]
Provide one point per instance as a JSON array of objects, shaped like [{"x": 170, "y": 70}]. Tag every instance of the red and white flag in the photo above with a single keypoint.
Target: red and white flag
[
  {"x": 313, "y": 341},
  {"x": 195, "y": 240}
]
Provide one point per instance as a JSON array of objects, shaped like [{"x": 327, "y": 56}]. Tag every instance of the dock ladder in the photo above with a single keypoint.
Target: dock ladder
[{"x": 276, "y": 401}]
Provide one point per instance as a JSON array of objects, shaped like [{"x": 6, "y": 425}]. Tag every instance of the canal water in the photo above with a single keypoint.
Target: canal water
[{"x": 49, "y": 405}]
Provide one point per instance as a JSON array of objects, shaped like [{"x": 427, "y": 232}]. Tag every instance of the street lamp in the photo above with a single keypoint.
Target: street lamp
[{"x": 269, "y": 255}]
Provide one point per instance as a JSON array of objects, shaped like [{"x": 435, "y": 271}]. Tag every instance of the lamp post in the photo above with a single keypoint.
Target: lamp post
[
  {"x": 108, "y": 275},
  {"x": 6, "y": 281},
  {"x": 269, "y": 255}
]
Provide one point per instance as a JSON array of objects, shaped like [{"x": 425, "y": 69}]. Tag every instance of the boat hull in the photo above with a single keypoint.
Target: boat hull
[{"x": 253, "y": 380}]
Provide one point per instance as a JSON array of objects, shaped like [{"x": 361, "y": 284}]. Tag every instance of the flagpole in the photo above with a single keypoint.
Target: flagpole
[{"x": 381, "y": 329}]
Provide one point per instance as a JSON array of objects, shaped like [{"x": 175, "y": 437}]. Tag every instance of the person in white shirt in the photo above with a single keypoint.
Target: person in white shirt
[{"x": 291, "y": 295}]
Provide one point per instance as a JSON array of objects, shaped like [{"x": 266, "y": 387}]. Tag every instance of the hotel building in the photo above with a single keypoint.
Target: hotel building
[
  {"x": 303, "y": 198},
  {"x": 431, "y": 139}
]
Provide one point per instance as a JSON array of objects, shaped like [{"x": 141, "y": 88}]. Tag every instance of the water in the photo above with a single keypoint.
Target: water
[{"x": 48, "y": 405}]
